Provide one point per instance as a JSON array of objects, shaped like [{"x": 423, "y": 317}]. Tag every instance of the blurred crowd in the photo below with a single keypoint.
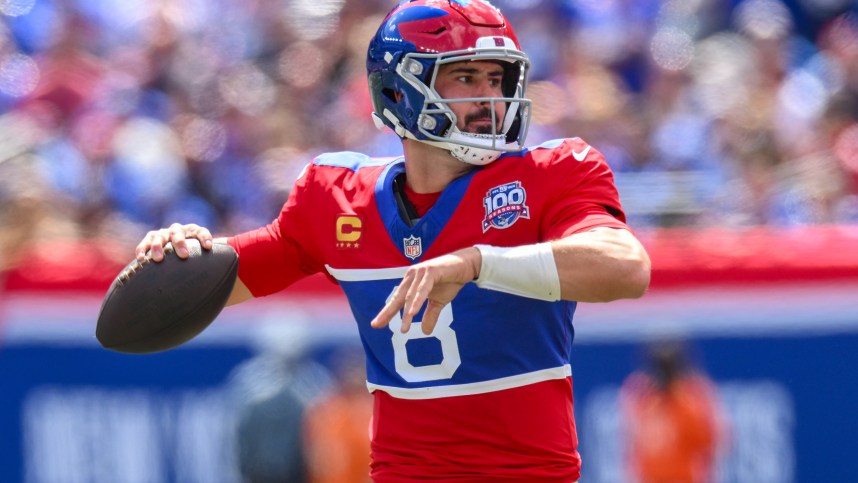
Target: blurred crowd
[{"x": 121, "y": 116}]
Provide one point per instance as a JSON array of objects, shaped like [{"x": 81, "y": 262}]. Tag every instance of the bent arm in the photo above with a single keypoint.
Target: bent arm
[
  {"x": 601, "y": 265},
  {"x": 240, "y": 293}
]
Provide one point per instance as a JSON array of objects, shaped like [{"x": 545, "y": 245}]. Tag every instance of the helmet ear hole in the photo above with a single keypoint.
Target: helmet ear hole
[
  {"x": 514, "y": 129},
  {"x": 511, "y": 78},
  {"x": 392, "y": 95}
]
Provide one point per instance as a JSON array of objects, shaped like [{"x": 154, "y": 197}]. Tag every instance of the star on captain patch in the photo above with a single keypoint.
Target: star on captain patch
[{"x": 413, "y": 247}]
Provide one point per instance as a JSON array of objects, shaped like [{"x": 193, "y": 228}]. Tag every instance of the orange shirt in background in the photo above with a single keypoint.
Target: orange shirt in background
[
  {"x": 337, "y": 438},
  {"x": 673, "y": 432}
]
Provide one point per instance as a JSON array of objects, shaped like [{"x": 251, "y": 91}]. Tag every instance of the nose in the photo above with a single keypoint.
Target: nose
[{"x": 486, "y": 89}]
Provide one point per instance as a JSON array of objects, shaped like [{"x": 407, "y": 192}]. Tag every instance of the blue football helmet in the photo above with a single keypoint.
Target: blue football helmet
[{"x": 416, "y": 38}]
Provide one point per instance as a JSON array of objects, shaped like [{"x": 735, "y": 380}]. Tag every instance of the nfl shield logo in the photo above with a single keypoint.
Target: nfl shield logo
[{"x": 413, "y": 247}]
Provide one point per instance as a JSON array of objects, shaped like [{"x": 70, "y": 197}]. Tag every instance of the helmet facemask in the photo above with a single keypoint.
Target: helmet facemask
[{"x": 436, "y": 121}]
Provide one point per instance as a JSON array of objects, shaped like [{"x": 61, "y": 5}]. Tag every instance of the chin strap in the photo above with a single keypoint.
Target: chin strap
[
  {"x": 475, "y": 156},
  {"x": 478, "y": 156}
]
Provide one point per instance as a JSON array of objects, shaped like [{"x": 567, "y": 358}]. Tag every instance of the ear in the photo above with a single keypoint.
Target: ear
[{"x": 397, "y": 96}]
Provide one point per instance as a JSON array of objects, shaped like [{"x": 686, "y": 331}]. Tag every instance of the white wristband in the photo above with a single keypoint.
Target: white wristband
[{"x": 527, "y": 270}]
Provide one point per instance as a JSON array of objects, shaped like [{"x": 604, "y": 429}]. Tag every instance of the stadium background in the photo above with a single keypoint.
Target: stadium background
[{"x": 732, "y": 127}]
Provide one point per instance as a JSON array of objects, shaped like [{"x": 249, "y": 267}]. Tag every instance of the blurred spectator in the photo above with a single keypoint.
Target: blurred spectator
[
  {"x": 672, "y": 417},
  {"x": 269, "y": 445},
  {"x": 271, "y": 393},
  {"x": 337, "y": 425}
]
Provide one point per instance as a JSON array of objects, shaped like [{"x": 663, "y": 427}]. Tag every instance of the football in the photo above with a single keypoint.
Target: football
[{"x": 152, "y": 307}]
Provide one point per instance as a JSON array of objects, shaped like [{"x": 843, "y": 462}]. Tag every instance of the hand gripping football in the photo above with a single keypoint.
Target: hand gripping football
[{"x": 152, "y": 307}]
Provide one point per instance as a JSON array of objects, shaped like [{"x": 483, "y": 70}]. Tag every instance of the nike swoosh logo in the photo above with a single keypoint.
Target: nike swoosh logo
[{"x": 579, "y": 156}]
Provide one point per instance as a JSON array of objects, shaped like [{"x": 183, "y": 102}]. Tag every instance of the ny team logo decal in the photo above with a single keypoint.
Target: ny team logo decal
[
  {"x": 413, "y": 246},
  {"x": 504, "y": 206}
]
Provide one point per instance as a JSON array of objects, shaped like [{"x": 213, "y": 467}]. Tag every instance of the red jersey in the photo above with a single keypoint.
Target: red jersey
[{"x": 488, "y": 395}]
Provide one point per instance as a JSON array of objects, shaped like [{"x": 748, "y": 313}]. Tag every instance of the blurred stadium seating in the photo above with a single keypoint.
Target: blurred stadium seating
[{"x": 731, "y": 125}]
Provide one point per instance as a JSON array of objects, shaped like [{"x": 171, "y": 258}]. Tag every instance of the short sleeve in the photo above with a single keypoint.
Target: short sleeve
[{"x": 586, "y": 196}]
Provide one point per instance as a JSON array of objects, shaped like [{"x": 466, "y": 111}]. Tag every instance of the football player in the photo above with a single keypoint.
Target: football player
[{"x": 462, "y": 260}]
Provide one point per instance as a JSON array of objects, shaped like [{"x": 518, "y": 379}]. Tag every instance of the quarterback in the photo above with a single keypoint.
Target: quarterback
[{"x": 462, "y": 260}]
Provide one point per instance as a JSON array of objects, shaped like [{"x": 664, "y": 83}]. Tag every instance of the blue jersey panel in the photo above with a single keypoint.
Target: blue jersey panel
[
  {"x": 430, "y": 226},
  {"x": 482, "y": 336}
]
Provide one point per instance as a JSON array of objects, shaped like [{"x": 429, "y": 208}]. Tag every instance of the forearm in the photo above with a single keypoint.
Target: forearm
[
  {"x": 240, "y": 292},
  {"x": 601, "y": 265}
]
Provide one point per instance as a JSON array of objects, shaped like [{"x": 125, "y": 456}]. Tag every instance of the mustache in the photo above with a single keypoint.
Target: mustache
[{"x": 484, "y": 113}]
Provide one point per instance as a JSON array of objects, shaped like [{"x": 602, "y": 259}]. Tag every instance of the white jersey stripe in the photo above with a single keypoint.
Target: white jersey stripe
[
  {"x": 366, "y": 274},
  {"x": 475, "y": 387}
]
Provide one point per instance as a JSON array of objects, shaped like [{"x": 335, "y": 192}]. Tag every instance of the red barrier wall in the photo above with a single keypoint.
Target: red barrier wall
[{"x": 681, "y": 258}]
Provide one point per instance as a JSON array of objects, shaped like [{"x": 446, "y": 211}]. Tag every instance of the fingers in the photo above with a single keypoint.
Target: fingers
[
  {"x": 416, "y": 286},
  {"x": 180, "y": 233},
  {"x": 437, "y": 281},
  {"x": 177, "y": 237},
  {"x": 410, "y": 296},
  {"x": 416, "y": 297},
  {"x": 392, "y": 307},
  {"x": 154, "y": 241},
  {"x": 142, "y": 247},
  {"x": 430, "y": 316},
  {"x": 176, "y": 234},
  {"x": 204, "y": 236}
]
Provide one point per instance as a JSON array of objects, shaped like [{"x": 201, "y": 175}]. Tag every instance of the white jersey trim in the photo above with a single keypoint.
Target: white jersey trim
[
  {"x": 474, "y": 387},
  {"x": 366, "y": 274}
]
